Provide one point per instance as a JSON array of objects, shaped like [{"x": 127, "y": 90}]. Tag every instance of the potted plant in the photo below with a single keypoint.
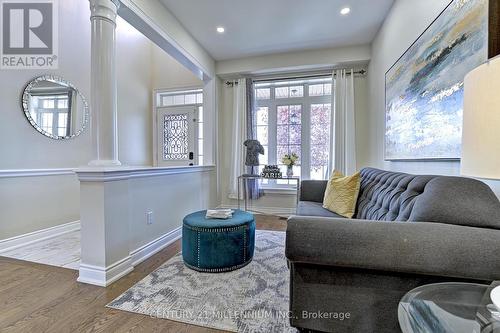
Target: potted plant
[{"x": 289, "y": 160}]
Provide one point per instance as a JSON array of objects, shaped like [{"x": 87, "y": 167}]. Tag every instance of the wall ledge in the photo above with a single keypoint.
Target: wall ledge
[
  {"x": 16, "y": 173},
  {"x": 107, "y": 174}
]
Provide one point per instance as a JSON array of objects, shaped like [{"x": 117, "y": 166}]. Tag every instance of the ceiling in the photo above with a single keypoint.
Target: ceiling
[{"x": 257, "y": 27}]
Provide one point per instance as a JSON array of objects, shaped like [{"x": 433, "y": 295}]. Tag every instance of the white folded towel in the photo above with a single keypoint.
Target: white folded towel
[{"x": 219, "y": 214}]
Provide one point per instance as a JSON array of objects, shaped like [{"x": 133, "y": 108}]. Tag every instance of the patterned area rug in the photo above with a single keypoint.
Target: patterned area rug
[{"x": 254, "y": 298}]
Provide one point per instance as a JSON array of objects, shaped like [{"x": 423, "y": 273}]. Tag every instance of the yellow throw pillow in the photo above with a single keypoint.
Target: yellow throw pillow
[{"x": 341, "y": 194}]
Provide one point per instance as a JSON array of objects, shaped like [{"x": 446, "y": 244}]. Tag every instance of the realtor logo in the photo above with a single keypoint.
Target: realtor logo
[{"x": 29, "y": 34}]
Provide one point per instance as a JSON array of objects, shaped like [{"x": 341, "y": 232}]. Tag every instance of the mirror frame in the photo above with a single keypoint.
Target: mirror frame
[{"x": 55, "y": 79}]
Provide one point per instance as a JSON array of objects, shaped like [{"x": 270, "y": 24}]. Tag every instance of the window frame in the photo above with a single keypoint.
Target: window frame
[{"x": 305, "y": 101}]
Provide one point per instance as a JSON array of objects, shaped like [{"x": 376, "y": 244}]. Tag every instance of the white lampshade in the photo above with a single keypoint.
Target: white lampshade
[{"x": 481, "y": 130}]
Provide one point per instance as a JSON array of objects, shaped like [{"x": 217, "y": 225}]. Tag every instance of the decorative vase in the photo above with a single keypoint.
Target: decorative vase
[{"x": 289, "y": 171}]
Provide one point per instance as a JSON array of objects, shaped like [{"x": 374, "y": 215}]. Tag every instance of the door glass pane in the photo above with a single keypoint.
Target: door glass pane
[
  {"x": 282, "y": 114},
  {"x": 282, "y": 134},
  {"x": 295, "y": 134},
  {"x": 281, "y": 92},
  {"x": 297, "y": 91},
  {"x": 176, "y": 137},
  {"x": 200, "y": 131},
  {"x": 320, "y": 140},
  {"x": 262, "y": 134},
  {"x": 190, "y": 99},
  {"x": 263, "y": 93},
  {"x": 262, "y": 116},
  {"x": 178, "y": 99},
  {"x": 295, "y": 114},
  {"x": 167, "y": 100},
  {"x": 328, "y": 89},
  {"x": 316, "y": 90}
]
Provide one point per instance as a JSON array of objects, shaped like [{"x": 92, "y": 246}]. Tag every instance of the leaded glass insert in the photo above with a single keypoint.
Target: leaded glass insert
[{"x": 176, "y": 137}]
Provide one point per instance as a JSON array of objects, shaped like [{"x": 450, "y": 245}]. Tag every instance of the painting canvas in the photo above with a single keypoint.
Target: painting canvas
[{"x": 424, "y": 88}]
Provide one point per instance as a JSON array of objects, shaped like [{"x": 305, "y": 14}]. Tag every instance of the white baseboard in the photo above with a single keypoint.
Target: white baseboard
[
  {"x": 36, "y": 236},
  {"x": 278, "y": 211},
  {"x": 104, "y": 276},
  {"x": 155, "y": 246}
]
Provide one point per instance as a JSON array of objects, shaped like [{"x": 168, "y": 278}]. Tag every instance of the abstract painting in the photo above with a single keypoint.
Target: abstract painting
[{"x": 424, "y": 88}]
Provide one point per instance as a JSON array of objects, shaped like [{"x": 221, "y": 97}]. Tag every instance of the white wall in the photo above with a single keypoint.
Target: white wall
[
  {"x": 34, "y": 203},
  {"x": 167, "y": 73},
  {"x": 406, "y": 21}
]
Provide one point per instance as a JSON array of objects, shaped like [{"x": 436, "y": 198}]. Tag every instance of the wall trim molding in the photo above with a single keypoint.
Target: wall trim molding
[
  {"x": 144, "y": 252},
  {"x": 16, "y": 173},
  {"x": 36, "y": 236},
  {"x": 88, "y": 174},
  {"x": 279, "y": 211},
  {"x": 104, "y": 276}
]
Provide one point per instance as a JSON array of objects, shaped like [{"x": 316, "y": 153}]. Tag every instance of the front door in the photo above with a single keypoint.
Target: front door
[{"x": 177, "y": 136}]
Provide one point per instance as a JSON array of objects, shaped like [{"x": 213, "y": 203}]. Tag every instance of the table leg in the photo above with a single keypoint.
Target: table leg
[
  {"x": 238, "y": 198},
  {"x": 245, "y": 192},
  {"x": 298, "y": 191}
]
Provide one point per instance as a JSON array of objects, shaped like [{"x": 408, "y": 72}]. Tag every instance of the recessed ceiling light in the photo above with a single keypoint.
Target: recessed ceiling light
[
  {"x": 345, "y": 10},
  {"x": 220, "y": 30}
]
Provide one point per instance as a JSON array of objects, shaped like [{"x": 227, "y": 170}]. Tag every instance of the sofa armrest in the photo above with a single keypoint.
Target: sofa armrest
[
  {"x": 427, "y": 248},
  {"x": 312, "y": 190}
]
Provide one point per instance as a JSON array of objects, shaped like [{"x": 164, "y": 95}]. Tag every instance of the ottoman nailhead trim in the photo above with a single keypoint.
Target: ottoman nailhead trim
[
  {"x": 245, "y": 245},
  {"x": 218, "y": 270},
  {"x": 198, "y": 248},
  {"x": 220, "y": 229}
]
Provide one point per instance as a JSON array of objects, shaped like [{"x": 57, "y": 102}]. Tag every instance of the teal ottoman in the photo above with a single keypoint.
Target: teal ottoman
[{"x": 213, "y": 245}]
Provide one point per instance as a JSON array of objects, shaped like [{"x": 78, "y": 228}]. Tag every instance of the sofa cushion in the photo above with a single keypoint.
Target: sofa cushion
[
  {"x": 341, "y": 194},
  {"x": 312, "y": 208}
]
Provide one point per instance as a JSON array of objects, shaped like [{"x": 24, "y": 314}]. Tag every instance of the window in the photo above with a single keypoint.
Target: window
[
  {"x": 186, "y": 97},
  {"x": 294, "y": 117}
]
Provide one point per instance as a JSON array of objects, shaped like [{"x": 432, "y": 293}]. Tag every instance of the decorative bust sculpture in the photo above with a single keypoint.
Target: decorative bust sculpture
[{"x": 254, "y": 148}]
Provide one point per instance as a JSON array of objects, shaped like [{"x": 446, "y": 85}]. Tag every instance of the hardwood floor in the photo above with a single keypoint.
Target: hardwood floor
[{"x": 41, "y": 298}]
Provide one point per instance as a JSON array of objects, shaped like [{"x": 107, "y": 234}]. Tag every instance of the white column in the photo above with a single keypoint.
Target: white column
[{"x": 103, "y": 83}]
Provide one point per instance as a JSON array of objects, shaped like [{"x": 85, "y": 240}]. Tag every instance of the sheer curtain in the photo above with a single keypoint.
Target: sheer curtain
[
  {"x": 242, "y": 129},
  {"x": 238, "y": 135},
  {"x": 254, "y": 189},
  {"x": 343, "y": 135}
]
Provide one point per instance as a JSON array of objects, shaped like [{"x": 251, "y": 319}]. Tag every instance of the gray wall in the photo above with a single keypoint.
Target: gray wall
[{"x": 406, "y": 21}]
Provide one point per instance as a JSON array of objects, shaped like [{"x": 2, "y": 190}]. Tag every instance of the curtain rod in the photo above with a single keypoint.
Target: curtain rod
[
  {"x": 283, "y": 78},
  {"x": 361, "y": 72}
]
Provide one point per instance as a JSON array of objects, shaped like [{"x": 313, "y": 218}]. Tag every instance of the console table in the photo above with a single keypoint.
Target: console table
[{"x": 243, "y": 186}]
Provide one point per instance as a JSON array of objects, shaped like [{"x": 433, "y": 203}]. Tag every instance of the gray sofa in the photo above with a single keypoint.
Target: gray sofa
[{"x": 408, "y": 231}]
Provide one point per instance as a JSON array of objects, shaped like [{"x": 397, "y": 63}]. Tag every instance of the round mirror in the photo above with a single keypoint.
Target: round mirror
[{"x": 55, "y": 107}]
